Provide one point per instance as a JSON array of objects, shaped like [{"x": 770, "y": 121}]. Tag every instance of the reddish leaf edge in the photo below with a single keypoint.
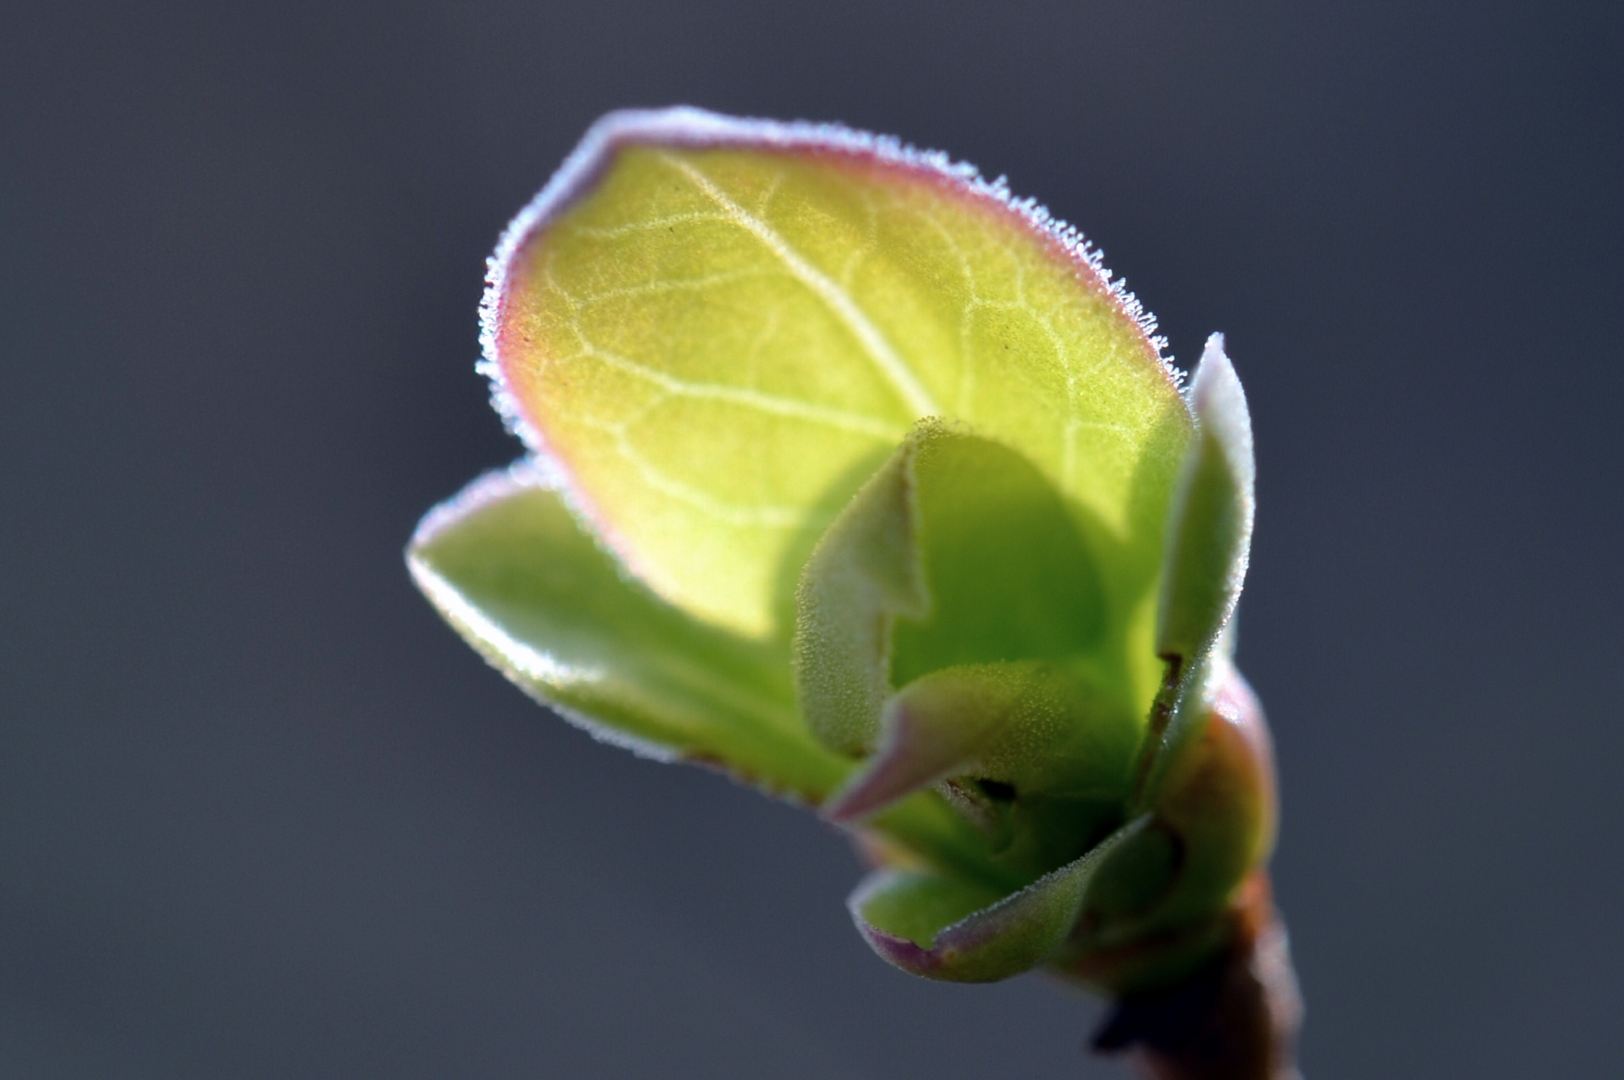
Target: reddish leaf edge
[{"x": 688, "y": 127}]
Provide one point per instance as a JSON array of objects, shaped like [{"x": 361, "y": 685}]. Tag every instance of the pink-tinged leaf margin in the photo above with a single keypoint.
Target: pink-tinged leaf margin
[{"x": 692, "y": 128}]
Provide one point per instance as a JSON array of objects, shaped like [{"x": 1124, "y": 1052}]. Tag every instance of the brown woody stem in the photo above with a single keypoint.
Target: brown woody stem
[{"x": 1234, "y": 1019}]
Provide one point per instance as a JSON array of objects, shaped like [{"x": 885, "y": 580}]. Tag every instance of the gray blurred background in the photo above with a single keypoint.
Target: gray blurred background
[{"x": 262, "y": 815}]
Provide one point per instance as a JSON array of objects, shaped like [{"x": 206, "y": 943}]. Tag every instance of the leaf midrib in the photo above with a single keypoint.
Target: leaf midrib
[{"x": 886, "y": 359}]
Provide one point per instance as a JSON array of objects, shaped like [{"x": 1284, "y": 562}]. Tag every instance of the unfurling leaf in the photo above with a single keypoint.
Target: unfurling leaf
[
  {"x": 860, "y": 480},
  {"x": 1031, "y": 726},
  {"x": 942, "y": 929},
  {"x": 1168, "y": 898},
  {"x": 863, "y": 574},
  {"x": 957, "y": 551},
  {"x": 1208, "y": 548},
  {"x": 1210, "y": 536},
  {"x": 1218, "y": 796},
  {"x": 509, "y": 566}
]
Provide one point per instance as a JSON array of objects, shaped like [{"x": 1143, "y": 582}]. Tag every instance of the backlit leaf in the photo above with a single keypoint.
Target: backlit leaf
[
  {"x": 1210, "y": 536},
  {"x": 864, "y": 573},
  {"x": 1030, "y": 727},
  {"x": 509, "y": 566},
  {"x": 719, "y": 328},
  {"x": 958, "y": 551}
]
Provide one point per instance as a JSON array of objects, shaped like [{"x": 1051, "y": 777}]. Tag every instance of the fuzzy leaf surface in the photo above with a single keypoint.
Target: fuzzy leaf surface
[
  {"x": 1210, "y": 536},
  {"x": 942, "y": 928},
  {"x": 958, "y": 551},
  {"x": 718, "y": 328},
  {"x": 865, "y": 572},
  {"x": 1032, "y": 726},
  {"x": 510, "y": 568}
]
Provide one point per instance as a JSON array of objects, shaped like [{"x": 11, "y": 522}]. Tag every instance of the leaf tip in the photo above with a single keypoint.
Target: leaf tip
[
  {"x": 1220, "y": 407},
  {"x": 1210, "y": 531}
]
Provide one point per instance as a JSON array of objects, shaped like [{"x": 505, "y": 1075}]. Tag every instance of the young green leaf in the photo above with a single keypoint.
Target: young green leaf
[
  {"x": 957, "y": 551},
  {"x": 1210, "y": 537},
  {"x": 716, "y": 328},
  {"x": 864, "y": 573},
  {"x": 839, "y": 452},
  {"x": 1009, "y": 572},
  {"x": 509, "y": 566},
  {"x": 1031, "y": 726},
  {"x": 941, "y": 928}
]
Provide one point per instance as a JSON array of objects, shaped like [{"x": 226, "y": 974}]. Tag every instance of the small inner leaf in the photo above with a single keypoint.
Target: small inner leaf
[
  {"x": 1210, "y": 535},
  {"x": 1010, "y": 575},
  {"x": 919, "y": 922},
  {"x": 1218, "y": 795},
  {"x": 918, "y": 906},
  {"x": 956, "y": 552},
  {"x": 1212, "y": 798},
  {"x": 1029, "y": 727},
  {"x": 861, "y": 576}
]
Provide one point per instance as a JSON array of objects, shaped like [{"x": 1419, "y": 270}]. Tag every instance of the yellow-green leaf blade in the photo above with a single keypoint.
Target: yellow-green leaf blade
[
  {"x": 718, "y": 328},
  {"x": 507, "y": 564}
]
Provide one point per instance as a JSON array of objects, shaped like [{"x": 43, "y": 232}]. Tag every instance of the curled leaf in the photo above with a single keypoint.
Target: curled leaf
[
  {"x": 957, "y": 551},
  {"x": 932, "y": 926},
  {"x": 1164, "y": 903},
  {"x": 864, "y": 573},
  {"x": 1208, "y": 547},
  {"x": 510, "y": 568},
  {"x": 1218, "y": 796},
  {"x": 1210, "y": 535},
  {"x": 1028, "y": 726}
]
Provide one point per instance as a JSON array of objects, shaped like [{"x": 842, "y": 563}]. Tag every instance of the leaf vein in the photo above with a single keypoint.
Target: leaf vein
[
  {"x": 662, "y": 288},
  {"x": 771, "y": 404},
  {"x": 889, "y": 362},
  {"x": 758, "y": 515}
]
